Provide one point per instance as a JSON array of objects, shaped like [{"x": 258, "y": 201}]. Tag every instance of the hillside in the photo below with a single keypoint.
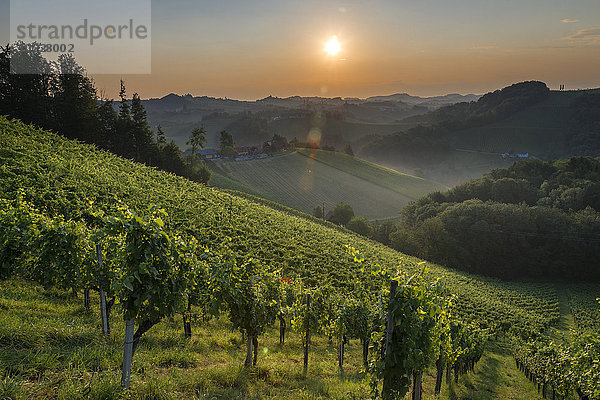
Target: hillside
[
  {"x": 51, "y": 348},
  {"x": 305, "y": 179},
  {"x": 409, "y": 185},
  {"x": 539, "y": 130},
  {"x": 63, "y": 176},
  {"x": 61, "y": 348},
  {"x": 463, "y": 141}
]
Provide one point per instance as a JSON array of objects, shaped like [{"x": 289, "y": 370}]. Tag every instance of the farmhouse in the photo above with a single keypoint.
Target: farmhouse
[{"x": 209, "y": 154}]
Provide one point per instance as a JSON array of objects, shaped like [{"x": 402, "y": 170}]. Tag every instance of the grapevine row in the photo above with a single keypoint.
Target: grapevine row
[{"x": 154, "y": 273}]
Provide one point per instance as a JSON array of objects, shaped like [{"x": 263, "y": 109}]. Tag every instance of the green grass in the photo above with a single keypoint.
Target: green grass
[
  {"x": 495, "y": 377},
  {"x": 51, "y": 348},
  {"x": 60, "y": 351},
  {"x": 303, "y": 182}
]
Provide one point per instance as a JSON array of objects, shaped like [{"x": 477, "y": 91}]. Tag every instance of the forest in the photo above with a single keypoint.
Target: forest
[{"x": 534, "y": 219}]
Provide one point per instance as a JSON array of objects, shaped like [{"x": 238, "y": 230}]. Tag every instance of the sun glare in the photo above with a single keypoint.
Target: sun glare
[{"x": 332, "y": 47}]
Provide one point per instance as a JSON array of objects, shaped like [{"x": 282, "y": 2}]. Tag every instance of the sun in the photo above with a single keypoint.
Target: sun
[{"x": 332, "y": 47}]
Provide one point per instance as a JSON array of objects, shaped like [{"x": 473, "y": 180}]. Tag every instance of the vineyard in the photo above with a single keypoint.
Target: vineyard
[
  {"x": 586, "y": 314},
  {"x": 302, "y": 180},
  {"x": 411, "y": 186},
  {"x": 153, "y": 249}
]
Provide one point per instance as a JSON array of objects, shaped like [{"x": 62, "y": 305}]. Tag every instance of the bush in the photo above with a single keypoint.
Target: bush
[
  {"x": 360, "y": 225},
  {"x": 342, "y": 214}
]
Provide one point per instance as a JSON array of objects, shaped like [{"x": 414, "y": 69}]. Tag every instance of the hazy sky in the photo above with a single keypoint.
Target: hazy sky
[{"x": 254, "y": 48}]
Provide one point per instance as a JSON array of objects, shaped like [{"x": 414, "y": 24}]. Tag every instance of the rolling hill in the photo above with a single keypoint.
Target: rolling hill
[
  {"x": 253, "y": 122},
  {"x": 539, "y": 130},
  {"x": 463, "y": 141},
  {"x": 305, "y": 179},
  {"x": 65, "y": 177}
]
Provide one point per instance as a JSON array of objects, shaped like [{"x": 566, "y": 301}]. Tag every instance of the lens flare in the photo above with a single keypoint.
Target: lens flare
[{"x": 314, "y": 137}]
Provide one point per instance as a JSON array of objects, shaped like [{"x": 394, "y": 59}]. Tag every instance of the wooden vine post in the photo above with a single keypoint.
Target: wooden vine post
[
  {"x": 250, "y": 342},
  {"x": 341, "y": 353},
  {"x": 86, "y": 298},
  {"x": 365, "y": 344},
  {"x": 249, "y": 346},
  {"x": 103, "y": 310},
  {"x": 439, "y": 364},
  {"x": 307, "y": 338},
  {"x": 187, "y": 320},
  {"x": 282, "y": 326},
  {"x": 417, "y": 386},
  {"x": 103, "y": 313},
  {"x": 255, "y": 349},
  {"x": 389, "y": 330},
  {"x": 127, "y": 353}
]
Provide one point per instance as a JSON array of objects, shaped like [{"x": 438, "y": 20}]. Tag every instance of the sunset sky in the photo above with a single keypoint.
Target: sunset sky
[{"x": 251, "y": 49}]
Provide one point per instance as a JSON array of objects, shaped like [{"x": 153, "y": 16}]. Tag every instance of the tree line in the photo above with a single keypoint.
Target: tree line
[
  {"x": 343, "y": 214},
  {"x": 62, "y": 98},
  {"x": 534, "y": 219},
  {"x": 584, "y": 127}
]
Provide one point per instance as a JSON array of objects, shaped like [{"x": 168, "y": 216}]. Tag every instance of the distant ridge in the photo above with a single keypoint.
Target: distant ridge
[
  {"x": 410, "y": 99},
  {"x": 275, "y": 100}
]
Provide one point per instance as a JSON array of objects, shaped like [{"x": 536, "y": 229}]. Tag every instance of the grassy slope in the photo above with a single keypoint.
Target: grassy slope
[
  {"x": 302, "y": 183},
  {"x": 458, "y": 166},
  {"x": 54, "y": 172},
  {"x": 408, "y": 185},
  {"x": 220, "y": 180}
]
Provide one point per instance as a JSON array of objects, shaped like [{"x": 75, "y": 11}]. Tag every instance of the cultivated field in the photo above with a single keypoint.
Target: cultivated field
[{"x": 303, "y": 180}]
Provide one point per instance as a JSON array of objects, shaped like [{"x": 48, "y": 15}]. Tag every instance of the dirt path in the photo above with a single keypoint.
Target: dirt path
[
  {"x": 566, "y": 323},
  {"x": 495, "y": 377}
]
